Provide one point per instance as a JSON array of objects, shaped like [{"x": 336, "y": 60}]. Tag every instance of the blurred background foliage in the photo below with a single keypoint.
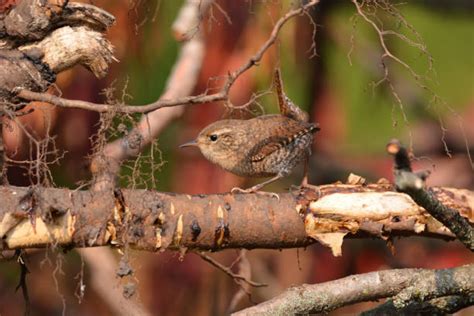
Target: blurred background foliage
[
  {"x": 368, "y": 116},
  {"x": 357, "y": 120}
]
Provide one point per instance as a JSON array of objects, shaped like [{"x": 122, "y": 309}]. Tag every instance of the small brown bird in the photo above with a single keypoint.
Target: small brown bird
[{"x": 264, "y": 146}]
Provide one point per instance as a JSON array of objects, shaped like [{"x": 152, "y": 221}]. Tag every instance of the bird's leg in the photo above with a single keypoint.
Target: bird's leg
[
  {"x": 264, "y": 183},
  {"x": 305, "y": 182},
  {"x": 257, "y": 187}
]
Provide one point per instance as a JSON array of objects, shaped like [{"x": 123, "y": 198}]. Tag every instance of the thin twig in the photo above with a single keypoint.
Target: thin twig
[
  {"x": 255, "y": 59},
  {"x": 387, "y": 54},
  {"x": 119, "y": 108},
  {"x": 226, "y": 270},
  {"x": 245, "y": 269},
  {"x": 198, "y": 99},
  {"x": 22, "y": 283},
  {"x": 381, "y": 34}
]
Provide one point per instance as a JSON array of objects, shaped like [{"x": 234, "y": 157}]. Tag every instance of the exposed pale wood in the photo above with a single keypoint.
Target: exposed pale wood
[{"x": 154, "y": 221}]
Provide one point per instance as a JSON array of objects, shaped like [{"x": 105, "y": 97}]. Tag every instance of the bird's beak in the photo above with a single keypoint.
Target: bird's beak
[{"x": 188, "y": 144}]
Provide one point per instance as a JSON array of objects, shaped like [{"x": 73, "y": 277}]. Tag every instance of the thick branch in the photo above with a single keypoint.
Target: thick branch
[
  {"x": 153, "y": 221},
  {"x": 55, "y": 46},
  {"x": 32, "y": 20},
  {"x": 324, "y": 297},
  {"x": 68, "y": 46}
]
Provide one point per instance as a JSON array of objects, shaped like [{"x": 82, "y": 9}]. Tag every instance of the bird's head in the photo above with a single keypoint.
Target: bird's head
[{"x": 219, "y": 141}]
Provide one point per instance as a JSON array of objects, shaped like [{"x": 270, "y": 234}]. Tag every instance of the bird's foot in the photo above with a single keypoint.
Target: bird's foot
[
  {"x": 254, "y": 190},
  {"x": 306, "y": 185}
]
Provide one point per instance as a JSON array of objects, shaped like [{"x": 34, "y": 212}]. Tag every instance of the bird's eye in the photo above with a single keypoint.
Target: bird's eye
[{"x": 213, "y": 137}]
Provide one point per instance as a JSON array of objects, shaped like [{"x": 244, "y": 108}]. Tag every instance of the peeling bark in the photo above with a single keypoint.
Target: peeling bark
[
  {"x": 38, "y": 41},
  {"x": 154, "y": 221},
  {"x": 32, "y": 20}
]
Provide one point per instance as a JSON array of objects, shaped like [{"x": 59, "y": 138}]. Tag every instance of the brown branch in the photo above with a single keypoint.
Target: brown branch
[
  {"x": 163, "y": 101},
  {"x": 327, "y": 296},
  {"x": 119, "y": 108},
  {"x": 413, "y": 184},
  {"x": 151, "y": 221},
  {"x": 255, "y": 59}
]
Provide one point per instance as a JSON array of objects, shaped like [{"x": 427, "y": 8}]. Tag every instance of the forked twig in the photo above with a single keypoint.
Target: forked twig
[{"x": 228, "y": 271}]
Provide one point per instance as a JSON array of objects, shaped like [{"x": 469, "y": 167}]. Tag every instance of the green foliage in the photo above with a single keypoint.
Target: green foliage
[{"x": 373, "y": 114}]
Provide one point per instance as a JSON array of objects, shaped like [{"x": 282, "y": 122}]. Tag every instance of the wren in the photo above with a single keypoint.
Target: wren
[{"x": 265, "y": 146}]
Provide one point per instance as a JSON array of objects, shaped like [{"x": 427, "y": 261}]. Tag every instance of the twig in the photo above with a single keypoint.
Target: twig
[
  {"x": 255, "y": 59},
  {"x": 161, "y": 103},
  {"x": 181, "y": 83},
  {"x": 381, "y": 34},
  {"x": 22, "y": 283},
  {"x": 419, "y": 79},
  {"x": 119, "y": 108},
  {"x": 413, "y": 184},
  {"x": 245, "y": 270},
  {"x": 226, "y": 270}
]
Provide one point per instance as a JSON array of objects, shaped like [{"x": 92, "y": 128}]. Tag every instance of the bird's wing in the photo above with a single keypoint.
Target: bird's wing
[
  {"x": 266, "y": 147},
  {"x": 288, "y": 133}
]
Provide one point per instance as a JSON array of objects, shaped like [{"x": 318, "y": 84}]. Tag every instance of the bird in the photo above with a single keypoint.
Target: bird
[{"x": 264, "y": 146}]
